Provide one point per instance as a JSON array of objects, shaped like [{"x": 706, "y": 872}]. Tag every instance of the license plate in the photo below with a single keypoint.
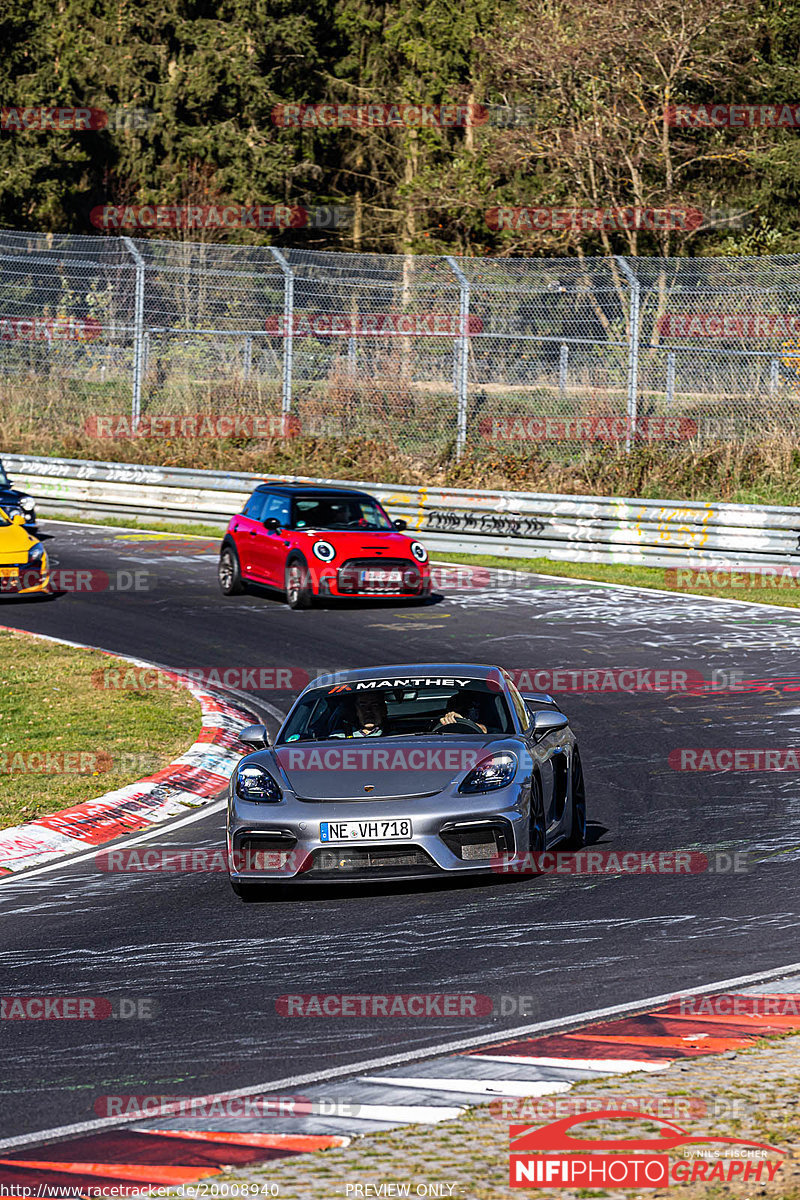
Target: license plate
[
  {"x": 365, "y": 831},
  {"x": 381, "y": 576},
  {"x": 9, "y": 572}
]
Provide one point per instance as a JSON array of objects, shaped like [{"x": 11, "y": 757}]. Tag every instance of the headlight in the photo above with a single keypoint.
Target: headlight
[
  {"x": 419, "y": 552},
  {"x": 324, "y": 551},
  {"x": 27, "y": 503},
  {"x": 491, "y": 773},
  {"x": 35, "y": 554},
  {"x": 257, "y": 785}
]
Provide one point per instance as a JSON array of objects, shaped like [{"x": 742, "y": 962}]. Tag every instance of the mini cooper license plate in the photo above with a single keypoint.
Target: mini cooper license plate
[
  {"x": 365, "y": 831},
  {"x": 383, "y": 577}
]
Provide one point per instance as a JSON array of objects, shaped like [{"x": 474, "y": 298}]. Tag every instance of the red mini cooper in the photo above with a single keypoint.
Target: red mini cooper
[{"x": 321, "y": 542}]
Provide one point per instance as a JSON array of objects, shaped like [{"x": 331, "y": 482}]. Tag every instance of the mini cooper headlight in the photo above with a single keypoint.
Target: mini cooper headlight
[
  {"x": 419, "y": 552},
  {"x": 491, "y": 773},
  {"x": 324, "y": 551},
  {"x": 257, "y": 785}
]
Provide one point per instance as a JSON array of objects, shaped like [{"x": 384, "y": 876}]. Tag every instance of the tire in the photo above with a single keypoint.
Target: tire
[
  {"x": 537, "y": 828},
  {"x": 297, "y": 584},
  {"x": 229, "y": 572},
  {"x": 250, "y": 893},
  {"x": 577, "y": 831}
]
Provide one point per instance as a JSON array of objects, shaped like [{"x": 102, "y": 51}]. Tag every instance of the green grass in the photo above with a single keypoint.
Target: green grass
[
  {"x": 763, "y": 590},
  {"x": 53, "y": 706},
  {"x": 199, "y": 528}
]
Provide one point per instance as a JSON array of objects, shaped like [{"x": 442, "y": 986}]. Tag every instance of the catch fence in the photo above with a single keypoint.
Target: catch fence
[{"x": 114, "y": 338}]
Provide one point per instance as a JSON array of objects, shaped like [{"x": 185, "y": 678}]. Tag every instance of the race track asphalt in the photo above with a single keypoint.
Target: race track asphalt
[{"x": 213, "y": 967}]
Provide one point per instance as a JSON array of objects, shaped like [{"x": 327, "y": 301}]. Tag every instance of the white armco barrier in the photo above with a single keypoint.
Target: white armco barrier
[{"x": 652, "y": 533}]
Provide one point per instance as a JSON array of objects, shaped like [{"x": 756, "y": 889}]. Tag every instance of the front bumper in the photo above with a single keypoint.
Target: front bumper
[
  {"x": 346, "y": 580},
  {"x": 27, "y": 582},
  {"x": 282, "y": 842}
]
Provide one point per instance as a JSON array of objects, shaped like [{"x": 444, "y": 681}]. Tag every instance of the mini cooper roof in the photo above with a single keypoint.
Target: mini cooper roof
[{"x": 309, "y": 489}]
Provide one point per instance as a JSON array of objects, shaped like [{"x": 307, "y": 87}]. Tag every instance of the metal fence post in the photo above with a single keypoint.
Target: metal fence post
[
  {"x": 774, "y": 375},
  {"x": 563, "y": 361},
  {"x": 633, "y": 354},
  {"x": 460, "y": 373},
  {"x": 248, "y": 357},
  {"x": 670, "y": 378},
  {"x": 288, "y": 327},
  {"x": 138, "y": 333}
]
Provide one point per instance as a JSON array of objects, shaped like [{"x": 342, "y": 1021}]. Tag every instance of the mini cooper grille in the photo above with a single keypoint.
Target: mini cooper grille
[{"x": 350, "y": 579}]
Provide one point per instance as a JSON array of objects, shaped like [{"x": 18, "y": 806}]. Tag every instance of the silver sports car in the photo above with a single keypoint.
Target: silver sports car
[{"x": 401, "y": 772}]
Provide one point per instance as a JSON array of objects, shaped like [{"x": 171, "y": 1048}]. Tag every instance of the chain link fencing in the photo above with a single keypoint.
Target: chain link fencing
[{"x": 114, "y": 337}]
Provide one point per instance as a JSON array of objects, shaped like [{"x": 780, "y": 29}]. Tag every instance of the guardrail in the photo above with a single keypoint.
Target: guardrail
[{"x": 599, "y": 529}]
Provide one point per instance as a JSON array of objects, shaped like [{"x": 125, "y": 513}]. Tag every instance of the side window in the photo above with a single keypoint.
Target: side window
[
  {"x": 254, "y": 506},
  {"x": 520, "y": 705},
  {"x": 277, "y": 506}
]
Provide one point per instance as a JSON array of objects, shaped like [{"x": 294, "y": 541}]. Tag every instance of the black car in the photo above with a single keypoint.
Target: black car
[{"x": 15, "y": 502}]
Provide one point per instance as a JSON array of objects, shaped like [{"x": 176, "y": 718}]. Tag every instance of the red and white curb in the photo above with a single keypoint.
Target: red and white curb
[
  {"x": 543, "y": 1060},
  {"x": 189, "y": 782}
]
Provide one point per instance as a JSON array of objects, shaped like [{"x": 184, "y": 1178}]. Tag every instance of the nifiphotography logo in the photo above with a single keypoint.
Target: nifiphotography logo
[{"x": 632, "y": 1162}]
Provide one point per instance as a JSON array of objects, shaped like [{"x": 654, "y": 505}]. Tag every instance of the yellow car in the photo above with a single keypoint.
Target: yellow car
[{"x": 23, "y": 562}]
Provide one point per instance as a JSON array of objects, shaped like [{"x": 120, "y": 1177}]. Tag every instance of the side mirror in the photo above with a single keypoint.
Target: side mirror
[
  {"x": 272, "y": 524},
  {"x": 255, "y": 736},
  {"x": 548, "y": 721},
  {"x": 18, "y": 519},
  {"x": 400, "y": 524}
]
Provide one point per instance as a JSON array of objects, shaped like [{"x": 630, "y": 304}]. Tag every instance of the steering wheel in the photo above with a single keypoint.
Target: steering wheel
[{"x": 460, "y": 723}]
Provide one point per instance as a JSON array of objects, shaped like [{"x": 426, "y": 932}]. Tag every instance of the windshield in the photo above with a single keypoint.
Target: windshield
[
  {"x": 399, "y": 708},
  {"x": 338, "y": 512}
]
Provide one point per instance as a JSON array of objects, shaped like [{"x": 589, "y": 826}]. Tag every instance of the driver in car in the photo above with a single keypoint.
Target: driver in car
[
  {"x": 462, "y": 706},
  {"x": 369, "y": 720}
]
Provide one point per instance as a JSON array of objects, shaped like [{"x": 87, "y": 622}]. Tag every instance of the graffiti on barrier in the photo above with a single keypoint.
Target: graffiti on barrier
[{"x": 507, "y": 524}]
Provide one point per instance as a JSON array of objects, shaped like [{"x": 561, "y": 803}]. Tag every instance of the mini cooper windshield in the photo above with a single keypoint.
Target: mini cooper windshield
[
  {"x": 339, "y": 512},
  {"x": 399, "y": 708}
]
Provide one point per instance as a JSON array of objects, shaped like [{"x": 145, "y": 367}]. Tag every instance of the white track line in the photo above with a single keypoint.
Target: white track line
[
  {"x": 559, "y": 1024},
  {"x": 479, "y": 1087},
  {"x": 606, "y": 1066}
]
